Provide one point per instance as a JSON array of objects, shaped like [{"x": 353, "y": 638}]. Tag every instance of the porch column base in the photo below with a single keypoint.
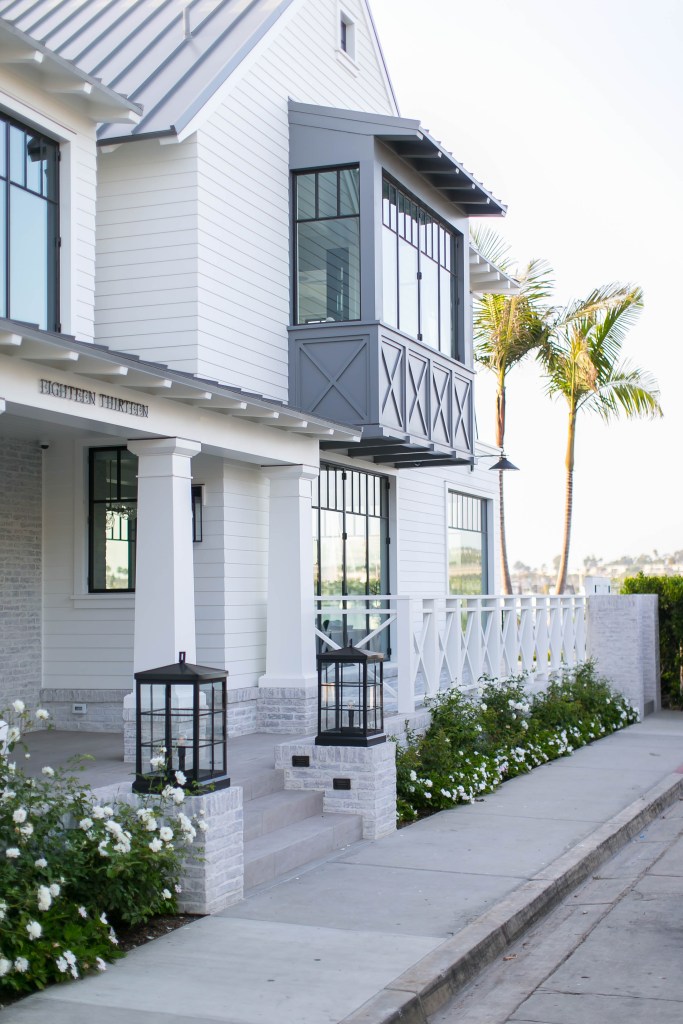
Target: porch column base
[
  {"x": 288, "y": 706},
  {"x": 370, "y": 771}
]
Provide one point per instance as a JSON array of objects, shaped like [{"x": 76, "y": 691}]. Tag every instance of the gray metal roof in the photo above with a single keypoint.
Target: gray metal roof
[
  {"x": 413, "y": 143},
  {"x": 170, "y": 56}
]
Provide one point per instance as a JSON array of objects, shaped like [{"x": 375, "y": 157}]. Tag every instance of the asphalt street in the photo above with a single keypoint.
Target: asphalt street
[{"x": 609, "y": 953}]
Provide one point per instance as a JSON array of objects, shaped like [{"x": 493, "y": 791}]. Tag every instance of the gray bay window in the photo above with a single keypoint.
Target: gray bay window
[
  {"x": 29, "y": 225},
  {"x": 327, "y": 245},
  {"x": 419, "y": 277}
]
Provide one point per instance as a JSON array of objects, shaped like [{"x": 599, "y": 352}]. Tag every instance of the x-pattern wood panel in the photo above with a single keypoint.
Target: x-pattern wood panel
[
  {"x": 393, "y": 365},
  {"x": 441, "y": 405},
  {"x": 462, "y": 396},
  {"x": 334, "y": 378},
  {"x": 418, "y": 416}
]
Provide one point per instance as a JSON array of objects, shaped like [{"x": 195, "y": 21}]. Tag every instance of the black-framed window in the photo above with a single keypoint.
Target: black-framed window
[
  {"x": 29, "y": 225},
  {"x": 467, "y": 544},
  {"x": 327, "y": 245},
  {"x": 420, "y": 258},
  {"x": 112, "y": 521},
  {"x": 351, "y": 538}
]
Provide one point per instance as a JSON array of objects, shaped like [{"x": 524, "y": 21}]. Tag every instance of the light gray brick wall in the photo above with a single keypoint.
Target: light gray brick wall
[
  {"x": 104, "y": 709},
  {"x": 20, "y": 572},
  {"x": 622, "y": 635},
  {"x": 288, "y": 709},
  {"x": 372, "y": 774},
  {"x": 213, "y": 872}
]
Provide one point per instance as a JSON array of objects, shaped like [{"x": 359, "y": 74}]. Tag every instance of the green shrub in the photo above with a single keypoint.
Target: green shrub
[
  {"x": 669, "y": 589},
  {"x": 73, "y": 870},
  {"x": 475, "y": 743}
]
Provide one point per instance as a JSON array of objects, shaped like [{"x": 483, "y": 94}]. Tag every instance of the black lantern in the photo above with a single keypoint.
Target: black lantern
[
  {"x": 181, "y": 727},
  {"x": 350, "y": 698}
]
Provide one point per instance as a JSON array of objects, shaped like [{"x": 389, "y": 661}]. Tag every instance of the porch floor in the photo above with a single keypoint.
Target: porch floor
[{"x": 248, "y": 756}]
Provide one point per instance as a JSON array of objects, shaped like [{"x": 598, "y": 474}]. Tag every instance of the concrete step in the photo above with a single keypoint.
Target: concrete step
[
  {"x": 277, "y": 810},
  {"x": 277, "y": 853},
  {"x": 258, "y": 784}
]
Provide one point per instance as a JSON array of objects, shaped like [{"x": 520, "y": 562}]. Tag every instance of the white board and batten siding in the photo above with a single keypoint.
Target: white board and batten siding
[
  {"x": 75, "y": 133},
  {"x": 193, "y": 258}
]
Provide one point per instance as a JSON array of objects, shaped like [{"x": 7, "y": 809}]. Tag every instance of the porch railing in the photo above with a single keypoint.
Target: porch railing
[{"x": 439, "y": 642}]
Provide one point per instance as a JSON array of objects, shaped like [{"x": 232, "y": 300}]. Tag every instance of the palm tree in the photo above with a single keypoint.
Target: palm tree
[
  {"x": 506, "y": 329},
  {"x": 581, "y": 362}
]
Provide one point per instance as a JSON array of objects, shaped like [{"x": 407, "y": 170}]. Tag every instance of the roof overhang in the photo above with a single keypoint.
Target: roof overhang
[
  {"x": 399, "y": 451},
  {"x": 61, "y": 77},
  {"x": 97, "y": 362},
  {"x": 487, "y": 277},
  {"x": 413, "y": 144}
]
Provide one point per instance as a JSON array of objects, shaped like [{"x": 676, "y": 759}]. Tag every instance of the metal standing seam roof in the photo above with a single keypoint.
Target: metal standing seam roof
[{"x": 170, "y": 56}]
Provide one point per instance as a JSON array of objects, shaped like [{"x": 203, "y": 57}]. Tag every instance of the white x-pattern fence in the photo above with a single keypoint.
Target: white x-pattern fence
[{"x": 441, "y": 642}]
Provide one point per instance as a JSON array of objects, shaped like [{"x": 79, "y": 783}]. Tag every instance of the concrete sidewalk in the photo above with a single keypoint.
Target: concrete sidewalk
[{"x": 388, "y": 930}]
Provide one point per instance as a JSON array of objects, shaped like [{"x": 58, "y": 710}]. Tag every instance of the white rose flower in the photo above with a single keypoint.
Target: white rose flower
[
  {"x": 5, "y": 966},
  {"x": 103, "y": 918},
  {"x": 62, "y": 965},
  {"x": 44, "y": 898},
  {"x": 155, "y": 845},
  {"x": 20, "y": 707},
  {"x": 98, "y": 812},
  {"x": 27, "y": 829},
  {"x": 34, "y": 930},
  {"x": 181, "y": 778},
  {"x": 41, "y": 863},
  {"x": 21, "y": 965},
  {"x": 166, "y": 833},
  {"x": 55, "y": 890},
  {"x": 48, "y": 771},
  {"x": 69, "y": 957},
  {"x": 166, "y": 894},
  {"x": 20, "y": 815},
  {"x": 12, "y": 852},
  {"x": 42, "y": 715},
  {"x": 82, "y": 911},
  {"x": 86, "y": 823},
  {"x": 101, "y": 966}
]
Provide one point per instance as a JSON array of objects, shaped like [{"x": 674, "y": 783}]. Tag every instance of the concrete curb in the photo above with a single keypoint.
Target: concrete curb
[{"x": 433, "y": 981}]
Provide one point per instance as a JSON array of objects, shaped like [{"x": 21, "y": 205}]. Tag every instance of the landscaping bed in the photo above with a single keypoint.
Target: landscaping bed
[{"x": 475, "y": 742}]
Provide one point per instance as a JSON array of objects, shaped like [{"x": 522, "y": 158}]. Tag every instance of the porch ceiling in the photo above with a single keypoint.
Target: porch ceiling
[{"x": 97, "y": 362}]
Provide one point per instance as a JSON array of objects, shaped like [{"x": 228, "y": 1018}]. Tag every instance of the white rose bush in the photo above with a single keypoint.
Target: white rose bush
[
  {"x": 475, "y": 743},
  {"x": 74, "y": 870}
]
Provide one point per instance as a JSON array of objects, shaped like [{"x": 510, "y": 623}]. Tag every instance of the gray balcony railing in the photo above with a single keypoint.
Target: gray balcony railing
[{"x": 370, "y": 376}]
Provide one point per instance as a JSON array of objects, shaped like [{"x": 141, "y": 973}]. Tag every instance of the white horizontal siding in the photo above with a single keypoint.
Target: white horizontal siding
[
  {"x": 147, "y": 256},
  {"x": 421, "y": 517},
  {"x": 244, "y": 191}
]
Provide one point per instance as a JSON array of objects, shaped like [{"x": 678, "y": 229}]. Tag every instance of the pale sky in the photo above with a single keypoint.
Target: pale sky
[{"x": 572, "y": 115}]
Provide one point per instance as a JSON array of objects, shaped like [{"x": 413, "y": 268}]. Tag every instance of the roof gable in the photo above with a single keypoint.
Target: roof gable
[{"x": 169, "y": 56}]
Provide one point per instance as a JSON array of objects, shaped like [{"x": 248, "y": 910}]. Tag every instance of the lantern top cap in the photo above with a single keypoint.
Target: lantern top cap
[
  {"x": 181, "y": 672},
  {"x": 351, "y": 653}
]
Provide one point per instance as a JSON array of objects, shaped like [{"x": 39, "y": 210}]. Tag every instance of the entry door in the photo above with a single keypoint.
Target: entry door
[{"x": 350, "y": 523}]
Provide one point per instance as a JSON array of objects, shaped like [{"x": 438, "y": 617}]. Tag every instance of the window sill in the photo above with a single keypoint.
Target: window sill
[
  {"x": 105, "y": 601},
  {"x": 347, "y": 61}
]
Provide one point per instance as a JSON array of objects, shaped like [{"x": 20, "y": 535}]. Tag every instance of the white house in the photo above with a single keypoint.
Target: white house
[{"x": 236, "y": 367}]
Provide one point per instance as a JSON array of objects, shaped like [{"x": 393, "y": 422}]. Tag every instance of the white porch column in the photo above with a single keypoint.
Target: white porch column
[
  {"x": 288, "y": 698},
  {"x": 164, "y": 575}
]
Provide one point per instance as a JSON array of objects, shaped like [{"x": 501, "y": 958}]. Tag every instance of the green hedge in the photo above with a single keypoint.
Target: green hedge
[{"x": 669, "y": 589}]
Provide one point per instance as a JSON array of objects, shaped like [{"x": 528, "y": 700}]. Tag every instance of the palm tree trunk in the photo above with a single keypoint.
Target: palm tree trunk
[
  {"x": 568, "y": 503},
  {"x": 500, "y": 441}
]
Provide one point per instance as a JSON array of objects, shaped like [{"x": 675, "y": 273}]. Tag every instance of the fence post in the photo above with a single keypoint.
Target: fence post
[
  {"x": 430, "y": 649},
  {"x": 405, "y": 683}
]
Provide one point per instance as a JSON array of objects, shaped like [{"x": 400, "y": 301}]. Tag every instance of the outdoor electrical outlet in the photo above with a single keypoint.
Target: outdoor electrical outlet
[{"x": 79, "y": 709}]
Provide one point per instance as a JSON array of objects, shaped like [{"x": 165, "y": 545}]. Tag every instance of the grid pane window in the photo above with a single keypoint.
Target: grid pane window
[
  {"x": 418, "y": 261},
  {"x": 467, "y": 544},
  {"x": 113, "y": 519},
  {"x": 29, "y": 226},
  {"x": 327, "y": 207}
]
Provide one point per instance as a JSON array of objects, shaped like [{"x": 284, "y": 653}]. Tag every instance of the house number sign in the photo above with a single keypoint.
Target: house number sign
[{"x": 86, "y": 397}]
